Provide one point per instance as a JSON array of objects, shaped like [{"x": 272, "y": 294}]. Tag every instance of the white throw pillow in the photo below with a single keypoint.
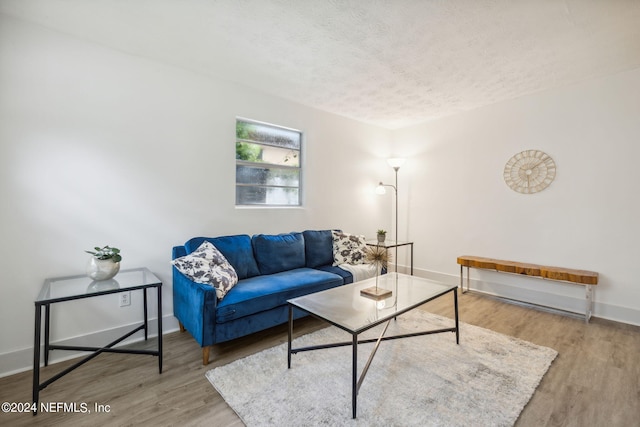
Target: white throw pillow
[
  {"x": 348, "y": 248},
  {"x": 208, "y": 266}
]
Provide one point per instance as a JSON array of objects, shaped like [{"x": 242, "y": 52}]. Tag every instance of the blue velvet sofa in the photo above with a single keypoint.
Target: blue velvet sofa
[{"x": 271, "y": 269}]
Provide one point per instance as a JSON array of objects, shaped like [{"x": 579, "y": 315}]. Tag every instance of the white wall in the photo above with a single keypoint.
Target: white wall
[
  {"x": 588, "y": 218},
  {"x": 99, "y": 147}
]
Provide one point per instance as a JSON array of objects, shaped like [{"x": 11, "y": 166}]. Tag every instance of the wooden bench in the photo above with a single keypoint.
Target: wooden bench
[{"x": 567, "y": 275}]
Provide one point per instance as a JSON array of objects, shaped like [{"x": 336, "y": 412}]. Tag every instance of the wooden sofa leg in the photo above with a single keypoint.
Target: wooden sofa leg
[
  {"x": 182, "y": 329},
  {"x": 205, "y": 355}
]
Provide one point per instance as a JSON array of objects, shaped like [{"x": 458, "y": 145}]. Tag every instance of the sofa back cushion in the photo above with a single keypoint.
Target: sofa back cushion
[
  {"x": 236, "y": 249},
  {"x": 318, "y": 246},
  {"x": 281, "y": 252}
]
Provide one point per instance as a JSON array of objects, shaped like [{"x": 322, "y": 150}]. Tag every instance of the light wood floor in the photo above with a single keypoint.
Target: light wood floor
[{"x": 594, "y": 381}]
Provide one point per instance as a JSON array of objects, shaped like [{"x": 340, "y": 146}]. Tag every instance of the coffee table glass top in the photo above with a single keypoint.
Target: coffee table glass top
[
  {"x": 345, "y": 308},
  {"x": 81, "y": 286}
]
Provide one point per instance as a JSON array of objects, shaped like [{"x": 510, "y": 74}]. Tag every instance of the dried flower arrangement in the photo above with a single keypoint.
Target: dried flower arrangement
[{"x": 379, "y": 256}]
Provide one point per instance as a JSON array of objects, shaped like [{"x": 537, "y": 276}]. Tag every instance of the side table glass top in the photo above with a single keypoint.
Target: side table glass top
[
  {"x": 386, "y": 243},
  {"x": 81, "y": 286},
  {"x": 346, "y": 308}
]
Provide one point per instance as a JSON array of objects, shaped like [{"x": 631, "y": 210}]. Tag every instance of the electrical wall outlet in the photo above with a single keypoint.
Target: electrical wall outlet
[{"x": 125, "y": 298}]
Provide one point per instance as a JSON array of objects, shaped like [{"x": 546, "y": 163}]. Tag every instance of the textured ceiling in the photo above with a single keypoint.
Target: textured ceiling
[{"x": 388, "y": 62}]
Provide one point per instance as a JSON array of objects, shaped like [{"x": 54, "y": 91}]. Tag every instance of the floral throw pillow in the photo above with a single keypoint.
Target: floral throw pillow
[
  {"x": 348, "y": 248},
  {"x": 208, "y": 266}
]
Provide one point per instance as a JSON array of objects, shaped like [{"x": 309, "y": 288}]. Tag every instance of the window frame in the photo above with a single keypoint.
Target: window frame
[{"x": 268, "y": 165}]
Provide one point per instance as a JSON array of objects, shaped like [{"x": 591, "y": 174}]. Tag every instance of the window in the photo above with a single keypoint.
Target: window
[{"x": 267, "y": 164}]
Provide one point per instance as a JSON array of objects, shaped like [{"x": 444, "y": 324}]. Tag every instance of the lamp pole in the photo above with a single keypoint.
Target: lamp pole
[
  {"x": 395, "y": 163},
  {"x": 395, "y": 190},
  {"x": 395, "y": 168}
]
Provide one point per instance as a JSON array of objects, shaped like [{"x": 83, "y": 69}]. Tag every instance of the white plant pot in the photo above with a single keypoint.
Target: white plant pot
[{"x": 102, "y": 269}]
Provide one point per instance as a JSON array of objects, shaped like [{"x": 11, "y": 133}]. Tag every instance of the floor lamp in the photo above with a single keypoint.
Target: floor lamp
[{"x": 395, "y": 163}]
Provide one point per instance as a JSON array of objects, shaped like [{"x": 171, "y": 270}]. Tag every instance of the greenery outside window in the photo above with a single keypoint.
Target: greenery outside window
[{"x": 268, "y": 171}]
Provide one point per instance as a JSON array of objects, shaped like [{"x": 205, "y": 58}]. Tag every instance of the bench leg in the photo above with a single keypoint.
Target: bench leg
[
  {"x": 589, "y": 303},
  {"x": 461, "y": 281},
  {"x": 205, "y": 355}
]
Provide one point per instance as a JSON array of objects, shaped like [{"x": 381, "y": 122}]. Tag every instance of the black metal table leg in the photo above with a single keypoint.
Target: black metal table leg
[
  {"x": 36, "y": 357},
  {"x": 354, "y": 380},
  {"x": 159, "y": 289},
  {"x": 47, "y": 319},
  {"x": 412, "y": 259},
  {"x": 290, "y": 336},
  {"x": 146, "y": 322},
  {"x": 455, "y": 303}
]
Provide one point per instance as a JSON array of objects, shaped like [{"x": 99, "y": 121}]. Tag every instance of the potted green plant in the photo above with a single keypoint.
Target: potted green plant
[
  {"x": 382, "y": 234},
  {"x": 104, "y": 263}
]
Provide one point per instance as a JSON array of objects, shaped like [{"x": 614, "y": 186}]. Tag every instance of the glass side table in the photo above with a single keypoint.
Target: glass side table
[
  {"x": 388, "y": 244},
  {"x": 81, "y": 287}
]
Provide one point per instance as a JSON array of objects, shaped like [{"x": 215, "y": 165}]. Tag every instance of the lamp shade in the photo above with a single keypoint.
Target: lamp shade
[
  {"x": 396, "y": 162},
  {"x": 380, "y": 189}
]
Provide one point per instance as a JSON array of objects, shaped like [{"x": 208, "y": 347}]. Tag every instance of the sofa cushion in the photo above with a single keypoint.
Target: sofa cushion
[
  {"x": 208, "y": 266},
  {"x": 236, "y": 249},
  {"x": 318, "y": 248},
  {"x": 348, "y": 248},
  {"x": 277, "y": 253},
  {"x": 347, "y": 277},
  {"x": 263, "y": 293}
]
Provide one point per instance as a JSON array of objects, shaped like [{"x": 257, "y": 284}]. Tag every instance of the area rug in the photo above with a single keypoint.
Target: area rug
[{"x": 421, "y": 381}]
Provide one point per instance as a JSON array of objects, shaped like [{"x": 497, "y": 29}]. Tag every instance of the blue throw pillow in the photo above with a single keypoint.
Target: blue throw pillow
[
  {"x": 281, "y": 252},
  {"x": 236, "y": 249},
  {"x": 318, "y": 246}
]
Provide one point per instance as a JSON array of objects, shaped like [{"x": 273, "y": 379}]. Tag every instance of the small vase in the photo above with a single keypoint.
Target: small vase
[
  {"x": 102, "y": 269},
  {"x": 381, "y": 238}
]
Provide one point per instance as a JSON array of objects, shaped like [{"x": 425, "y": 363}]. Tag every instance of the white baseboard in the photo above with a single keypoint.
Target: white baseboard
[
  {"x": 22, "y": 360},
  {"x": 572, "y": 303}
]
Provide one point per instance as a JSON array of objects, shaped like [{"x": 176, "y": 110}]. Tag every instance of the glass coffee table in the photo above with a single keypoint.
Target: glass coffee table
[{"x": 354, "y": 313}]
